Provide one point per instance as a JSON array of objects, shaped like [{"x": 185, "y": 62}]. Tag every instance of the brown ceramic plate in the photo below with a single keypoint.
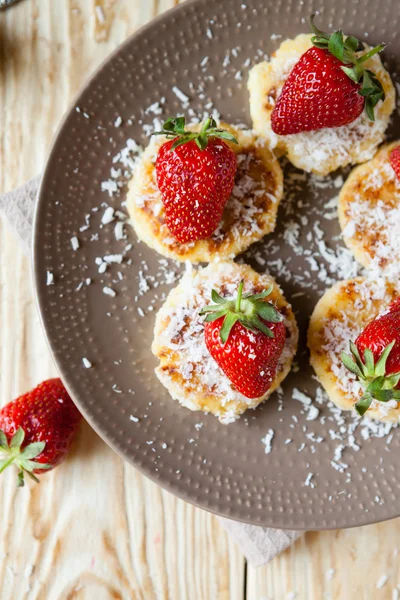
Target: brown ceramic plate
[{"x": 221, "y": 468}]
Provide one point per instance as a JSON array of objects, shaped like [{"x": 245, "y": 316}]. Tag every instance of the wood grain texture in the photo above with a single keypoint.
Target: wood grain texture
[
  {"x": 348, "y": 564},
  {"x": 96, "y": 529}
]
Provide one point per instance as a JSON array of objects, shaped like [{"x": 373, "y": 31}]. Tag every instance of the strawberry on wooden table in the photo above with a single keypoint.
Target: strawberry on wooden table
[
  {"x": 37, "y": 429},
  {"x": 195, "y": 175},
  {"x": 395, "y": 160},
  {"x": 328, "y": 86},
  {"x": 245, "y": 336},
  {"x": 375, "y": 359}
]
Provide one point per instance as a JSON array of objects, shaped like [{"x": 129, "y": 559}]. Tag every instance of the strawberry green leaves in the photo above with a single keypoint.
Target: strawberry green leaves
[
  {"x": 14, "y": 453},
  {"x": 250, "y": 310},
  {"x": 372, "y": 376},
  {"x": 347, "y": 50},
  {"x": 175, "y": 128},
  {"x": 372, "y": 89}
]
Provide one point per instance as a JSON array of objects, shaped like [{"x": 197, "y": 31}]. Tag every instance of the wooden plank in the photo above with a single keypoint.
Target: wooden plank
[
  {"x": 95, "y": 528},
  {"x": 335, "y": 565}
]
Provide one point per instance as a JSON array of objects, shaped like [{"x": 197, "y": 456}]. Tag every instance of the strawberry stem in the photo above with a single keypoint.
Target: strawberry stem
[
  {"x": 174, "y": 128},
  {"x": 239, "y": 297},
  {"x": 250, "y": 310},
  {"x": 6, "y": 463},
  {"x": 369, "y": 54},
  {"x": 20, "y": 456},
  {"x": 372, "y": 376}
]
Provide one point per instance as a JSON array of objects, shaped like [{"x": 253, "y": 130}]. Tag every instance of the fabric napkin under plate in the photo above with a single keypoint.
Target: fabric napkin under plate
[{"x": 258, "y": 544}]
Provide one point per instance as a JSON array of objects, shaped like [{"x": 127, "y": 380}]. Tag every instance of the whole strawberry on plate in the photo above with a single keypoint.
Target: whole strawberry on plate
[
  {"x": 245, "y": 336},
  {"x": 195, "y": 175},
  {"x": 375, "y": 359},
  {"x": 37, "y": 429},
  {"x": 328, "y": 87}
]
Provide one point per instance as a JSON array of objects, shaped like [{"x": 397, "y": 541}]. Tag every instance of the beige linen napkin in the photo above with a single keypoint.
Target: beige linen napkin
[{"x": 258, "y": 544}]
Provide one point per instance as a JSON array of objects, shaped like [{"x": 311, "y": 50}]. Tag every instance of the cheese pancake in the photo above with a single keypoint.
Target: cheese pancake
[
  {"x": 186, "y": 367},
  {"x": 250, "y": 212},
  {"x": 338, "y": 318},
  {"x": 324, "y": 150}
]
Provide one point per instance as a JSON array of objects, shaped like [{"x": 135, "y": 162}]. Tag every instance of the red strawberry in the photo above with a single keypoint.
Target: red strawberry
[
  {"x": 245, "y": 336},
  {"x": 375, "y": 358},
  {"x": 328, "y": 86},
  {"x": 195, "y": 174},
  {"x": 39, "y": 425},
  {"x": 395, "y": 160}
]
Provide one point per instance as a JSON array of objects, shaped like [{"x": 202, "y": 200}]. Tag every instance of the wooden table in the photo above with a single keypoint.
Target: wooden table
[{"x": 95, "y": 529}]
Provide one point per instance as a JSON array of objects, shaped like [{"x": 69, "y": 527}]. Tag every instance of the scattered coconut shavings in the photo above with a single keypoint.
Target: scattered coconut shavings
[
  {"x": 302, "y": 225},
  {"x": 368, "y": 212},
  {"x": 75, "y": 243},
  {"x": 127, "y": 158},
  {"x": 49, "y": 278},
  {"x": 312, "y": 414},
  {"x": 108, "y": 215},
  {"x": 308, "y": 482},
  {"x": 109, "y": 291},
  {"x": 303, "y": 398},
  {"x": 267, "y": 441},
  {"x": 113, "y": 258},
  {"x": 119, "y": 231},
  {"x": 86, "y": 363},
  {"x": 382, "y": 581},
  {"x": 344, "y": 426},
  {"x": 180, "y": 95}
]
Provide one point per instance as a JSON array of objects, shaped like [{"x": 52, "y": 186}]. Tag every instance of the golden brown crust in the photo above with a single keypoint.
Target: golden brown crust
[{"x": 369, "y": 212}]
